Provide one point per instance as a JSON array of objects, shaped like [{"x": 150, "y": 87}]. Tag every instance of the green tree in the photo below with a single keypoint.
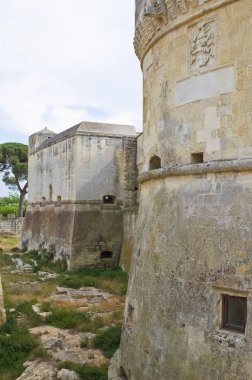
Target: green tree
[{"x": 14, "y": 168}]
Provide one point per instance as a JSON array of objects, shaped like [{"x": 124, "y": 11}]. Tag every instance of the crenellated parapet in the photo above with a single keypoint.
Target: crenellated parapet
[{"x": 154, "y": 18}]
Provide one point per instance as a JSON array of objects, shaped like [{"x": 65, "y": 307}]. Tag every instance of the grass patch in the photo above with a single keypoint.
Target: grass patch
[
  {"x": 112, "y": 280},
  {"x": 85, "y": 372},
  {"x": 77, "y": 281},
  {"x": 8, "y": 242},
  {"x": 25, "y": 309},
  {"x": 45, "y": 261},
  {"x": 16, "y": 345},
  {"x": 5, "y": 260},
  {"x": 108, "y": 341},
  {"x": 73, "y": 319}
]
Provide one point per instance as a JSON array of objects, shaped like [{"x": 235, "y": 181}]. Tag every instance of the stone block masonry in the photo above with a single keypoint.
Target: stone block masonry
[
  {"x": 188, "y": 313},
  {"x": 13, "y": 226}
]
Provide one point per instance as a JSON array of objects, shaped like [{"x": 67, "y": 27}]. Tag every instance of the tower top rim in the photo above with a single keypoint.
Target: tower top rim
[{"x": 155, "y": 18}]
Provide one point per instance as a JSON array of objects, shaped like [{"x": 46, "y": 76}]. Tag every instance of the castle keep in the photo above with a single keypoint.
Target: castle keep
[
  {"x": 188, "y": 313},
  {"x": 82, "y": 190}
]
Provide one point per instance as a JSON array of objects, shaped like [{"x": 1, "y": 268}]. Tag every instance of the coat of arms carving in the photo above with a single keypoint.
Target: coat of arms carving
[{"x": 203, "y": 45}]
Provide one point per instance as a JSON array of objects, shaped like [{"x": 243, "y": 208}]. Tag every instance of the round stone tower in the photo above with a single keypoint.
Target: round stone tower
[{"x": 188, "y": 313}]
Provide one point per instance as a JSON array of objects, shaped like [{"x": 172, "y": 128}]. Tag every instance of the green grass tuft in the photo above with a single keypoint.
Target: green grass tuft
[
  {"x": 85, "y": 372},
  {"x": 108, "y": 341},
  {"x": 25, "y": 308},
  {"x": 16, "y": 344},
  {"x": 73, "y": 319}
]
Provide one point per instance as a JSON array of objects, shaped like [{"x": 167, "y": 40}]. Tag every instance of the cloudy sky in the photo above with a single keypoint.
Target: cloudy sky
[{"x": 65, "y": 61}]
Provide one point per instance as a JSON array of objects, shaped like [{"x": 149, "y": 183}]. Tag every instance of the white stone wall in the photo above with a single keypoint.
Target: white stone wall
[
  {"x": 99, "y": 167},
  {"x": 81, "y": 167},
  {"x": 54, "y": 165}
]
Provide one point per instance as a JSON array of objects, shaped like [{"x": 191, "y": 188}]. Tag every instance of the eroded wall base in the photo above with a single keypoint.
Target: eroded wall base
[{"x": 80, "y": 233}]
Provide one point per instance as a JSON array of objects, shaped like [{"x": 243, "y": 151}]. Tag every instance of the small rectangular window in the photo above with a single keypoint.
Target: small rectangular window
[
  {"x": 234, "y": 313},
  {"x": 197, "y": 158}
]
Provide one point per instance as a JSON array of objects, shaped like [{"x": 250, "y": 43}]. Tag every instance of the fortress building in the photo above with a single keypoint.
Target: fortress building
[
  {"x": 189, "y": 305},
  {"x": 82, "y": 191}
]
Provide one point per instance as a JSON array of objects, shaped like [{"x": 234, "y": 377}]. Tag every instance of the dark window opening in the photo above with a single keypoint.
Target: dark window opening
[
  {"x": 130, "y": 313},
  {"x": 197, "y": 158},
  {"x": 234, "y": 313},
  {"x": 43, "y": 199},
  {"x": 155, "y": 163},
  {"x": 50, "y": 191},
  {"x": 106, "y": 255},
  {"x": 59, "y": 200},
  {"x": 109, "y": 199}
]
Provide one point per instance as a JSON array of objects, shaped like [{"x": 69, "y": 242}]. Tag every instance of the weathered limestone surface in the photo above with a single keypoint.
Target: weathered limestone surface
[
  {"x": 2, "y": 309},
  {"x": 69, "y": 174},
  {"x": 193, "y": 236}
]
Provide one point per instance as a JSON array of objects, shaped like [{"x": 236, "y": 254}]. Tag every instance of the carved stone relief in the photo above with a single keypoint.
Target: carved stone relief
[
  {"x": 203, "y": 45},
  {"x": 157, "y": 16}
]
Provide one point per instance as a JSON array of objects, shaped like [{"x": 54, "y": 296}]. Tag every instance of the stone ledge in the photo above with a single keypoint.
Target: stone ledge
[{"x": 197, "y": 169}]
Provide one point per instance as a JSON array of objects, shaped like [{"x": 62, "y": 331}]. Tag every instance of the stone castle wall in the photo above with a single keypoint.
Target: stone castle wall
[
  {"x": 13, "y": 226},
  {"x": 69, "y": 176},
  {"x": 193, "y": 233}
]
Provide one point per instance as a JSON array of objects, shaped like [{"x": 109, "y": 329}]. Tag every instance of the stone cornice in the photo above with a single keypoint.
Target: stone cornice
[
  {"x": 164, "y": 16},
  {"x": 98, "y": 203},
  {"x": 234, "y": 166}
]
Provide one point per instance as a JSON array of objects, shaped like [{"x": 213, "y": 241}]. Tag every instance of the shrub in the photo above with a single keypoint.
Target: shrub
[
  {"x": 9, "y": 205},
  {"x": 59, "y": 266},
  {"x": 15, "y": 249},
  {"x": 48, "y": 254},
  {"x": 108, "y": 341},
  {"x": 85, "y": 372}
]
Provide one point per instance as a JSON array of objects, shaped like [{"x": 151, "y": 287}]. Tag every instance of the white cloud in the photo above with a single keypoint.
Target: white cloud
[{"x": 63, "y": 58}]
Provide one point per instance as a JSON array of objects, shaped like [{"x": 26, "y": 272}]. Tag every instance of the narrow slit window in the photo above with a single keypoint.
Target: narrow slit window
[
  {"x": 234, "y": 313},
  {"x": 50, "y": 191}
]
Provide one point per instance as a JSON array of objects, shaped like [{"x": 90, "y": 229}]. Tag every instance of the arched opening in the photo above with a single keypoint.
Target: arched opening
[
  {"x": 106, "y": 255},
  {"x": 58, "y": 200},
  {"x": 109, "y": 199},
  {"x": 155, "y": 163}
]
